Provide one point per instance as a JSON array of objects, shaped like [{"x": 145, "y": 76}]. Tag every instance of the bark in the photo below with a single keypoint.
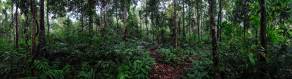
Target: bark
[
  {"x": 220, "y": 19},
  {"x": 41, "y": 37},
  {"x": 33, "y": 30},
  {"x": 48, "y": 20},
  {"x": 125, "y": 19},
  {"x": 175, "y": 26},
  {"x": 16, "y": 26},
  {"x": 215, "y": 52},
  {"x": 183, "y": 24},
  {"x": 91, "y": 13},
  {"x": 26, "y": 27},
  {"x": 263, "y": 24},
  {"x": 82, "y": 21},
  {"x": 263, "y": 41},
  {"x": 117, "y": 17},
  {"x": 198, "y": 19}
]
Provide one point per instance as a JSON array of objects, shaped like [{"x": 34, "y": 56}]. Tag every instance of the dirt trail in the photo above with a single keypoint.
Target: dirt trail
[{"x": 166, "y": 71}]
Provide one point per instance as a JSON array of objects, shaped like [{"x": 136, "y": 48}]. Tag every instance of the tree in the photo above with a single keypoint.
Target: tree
[
  {"x": 219, "y": 19},
  {"x": 42, "y": 40},
  {"x": 263, "y": 24},
  {"x": 175, "y": 25},
  {"x": 91, "y": 12},
  {"x": 215, "y": 52},
  {"x": 33, "y": 29},
  {"x": 263, "y": 39},
  {"x": 125, "y": 6},
  {"x": 48, "y": 21},
  {"x": 16, "y": 24}
]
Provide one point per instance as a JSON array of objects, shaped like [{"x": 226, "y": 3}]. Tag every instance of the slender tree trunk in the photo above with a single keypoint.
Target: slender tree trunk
[
  {"x": 183, "y": 18},
  {"x": 48, "y": 20},
  {"x": 117, "y": 15},
  {"x": 82, "y": 21},
  {"x": 34, "y": 27},
  {"x": 215, "y": 51},
  {"x": 91, "y": 5},
  {"x": 16, "y": 26},
  {"x": 263, "y": 24},
  {"x": 190, "y": 20},
  {"x": 198, "y": 18},
  {"x": 33, "y": 32},
  {"x": 263, "y": 41},
  {"x": 42, "y": 35},
  {"x": 175, "y": 26},
  {"x": 125, "y": 17},
  {"x": 219, "y": 20},
  {"x": 26, "y": 27}
]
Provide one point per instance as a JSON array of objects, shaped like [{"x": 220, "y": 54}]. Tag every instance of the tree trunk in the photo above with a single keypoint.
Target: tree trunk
[
  {"x": 263, "y": 36},
  {"x": 263, "y": 41},
  {"x": 215, "y": 52},
  {"x": 219, "y": 20},
  {"x": 183, "y": 22},
  {"x": 125, "y": 17},
  {"x": 175, "y": 26},
  {"x": 33, "y": 30},
  {"x": 41, "y": 38},
  {"x": 91, "y": 13},
  {"x": 198, "y": 18},
  {"x": 82, "y": 21},
  {"x": 26, "y": 27},
  {"x": 48, "y": 20},
  {"x": 16, "y": 26}
]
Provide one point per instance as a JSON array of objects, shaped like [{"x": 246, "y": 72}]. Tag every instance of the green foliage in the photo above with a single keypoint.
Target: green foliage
[
  {"x": 12, "y": 61},
  {"x": 46, "y": 71},
  {"x": 86, "y": 72},
  {"x": 202, "y": 68}
]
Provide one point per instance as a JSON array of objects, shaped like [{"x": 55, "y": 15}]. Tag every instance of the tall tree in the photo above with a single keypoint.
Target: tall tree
[
  {"x": 125, "y": 6},
  {"x": 263, "y": 41},
  {"x": 199, "y": 14},
  {"x": 33, "y": 29},
  {"x": 215, "y": 52},
  {"x": 48, "y": 21},
  {"x": 41, "y": 37},
  {"x": 175, "y": 25},
  {"x": 91, "y": 12},
  {"x": 263, "y": 24},
  {"x": 219, "y": 19},
  {"x": 16, "y": 24}
]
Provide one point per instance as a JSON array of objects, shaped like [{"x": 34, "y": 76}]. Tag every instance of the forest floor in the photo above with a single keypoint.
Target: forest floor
[{"x": 160, "y": 70}]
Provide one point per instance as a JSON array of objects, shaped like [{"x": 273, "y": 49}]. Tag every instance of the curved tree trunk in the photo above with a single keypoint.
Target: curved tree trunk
[{"x": 263, "y": 41}]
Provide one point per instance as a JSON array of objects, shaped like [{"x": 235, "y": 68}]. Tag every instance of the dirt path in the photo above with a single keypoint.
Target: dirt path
[{"x": 166, "y": 71}]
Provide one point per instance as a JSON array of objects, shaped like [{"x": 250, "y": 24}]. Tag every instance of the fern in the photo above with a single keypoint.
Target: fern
[{"x": 48, "y": 72}]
